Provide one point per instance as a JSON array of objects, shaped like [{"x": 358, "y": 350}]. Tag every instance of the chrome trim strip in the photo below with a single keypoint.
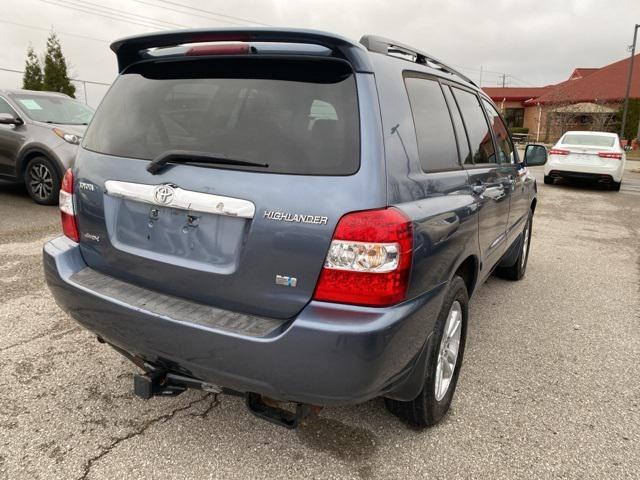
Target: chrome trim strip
[{"x": 183, "y": 199}]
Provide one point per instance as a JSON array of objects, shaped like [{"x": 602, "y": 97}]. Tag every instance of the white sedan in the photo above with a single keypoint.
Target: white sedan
[{"x": 587, "y": 156}]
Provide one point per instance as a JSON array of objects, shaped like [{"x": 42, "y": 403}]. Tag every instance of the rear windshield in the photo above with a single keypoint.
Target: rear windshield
[
  {"x": 588, "y": 140},
  {"x": 299, "y": 117}
]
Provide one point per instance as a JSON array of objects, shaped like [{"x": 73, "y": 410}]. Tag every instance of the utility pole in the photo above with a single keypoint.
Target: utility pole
[
  {"x": 480, "y": 76},
  {"x": 626, "y": 95},
  {"x": 504, "y": 79}
]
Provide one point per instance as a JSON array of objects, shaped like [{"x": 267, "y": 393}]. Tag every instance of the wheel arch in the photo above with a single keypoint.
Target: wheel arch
[
  {"x": 468, "y": 270},
  {"x": 29, "y": 154}
]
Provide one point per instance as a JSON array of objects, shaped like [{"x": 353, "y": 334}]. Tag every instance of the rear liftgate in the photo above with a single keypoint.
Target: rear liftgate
[{"x": 158, "y": 380}]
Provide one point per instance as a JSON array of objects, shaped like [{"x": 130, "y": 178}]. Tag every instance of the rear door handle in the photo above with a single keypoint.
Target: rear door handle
[{"x": 495, "y": 191}]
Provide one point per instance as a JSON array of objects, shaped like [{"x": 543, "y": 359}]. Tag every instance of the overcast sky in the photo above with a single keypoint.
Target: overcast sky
[{"x": 535, "y": 42}]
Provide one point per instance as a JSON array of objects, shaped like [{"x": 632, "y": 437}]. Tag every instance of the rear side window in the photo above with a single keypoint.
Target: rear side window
[
  {"x": 477, "y": 127},
  {"x": 505, "y": 147},
  {"x": 298, "y": 117},
  {"x": 463, "y": 141},
  {"x": 434, "y": 130}
]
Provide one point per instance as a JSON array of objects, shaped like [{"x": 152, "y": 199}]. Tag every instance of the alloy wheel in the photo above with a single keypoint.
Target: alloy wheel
[
  {"x": 41, "y": 181},
  {"x": 448, "y": 352},
  {"x": 525, "y": 244}
]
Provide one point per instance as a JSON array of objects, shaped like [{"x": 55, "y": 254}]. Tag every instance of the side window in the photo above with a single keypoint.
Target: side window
[
  {"x": 463, "y": 140},
  {"x": 482, "y": 150},
  {"x": 6, "y": 108},
  {"x": 434, "y": 130},
  {"x": 505, "y": 147}
]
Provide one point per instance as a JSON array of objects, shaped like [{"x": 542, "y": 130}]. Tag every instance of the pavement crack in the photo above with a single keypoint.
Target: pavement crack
[
  {"x": 39, "y": 336},
  {"x": 214, "y": 403},
  {"x": 142, "y": 428}
]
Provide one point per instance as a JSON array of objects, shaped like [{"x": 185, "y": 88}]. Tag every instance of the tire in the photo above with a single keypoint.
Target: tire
[
  {"x": 518, "y": 269},
  {"x": 42, "y": 180},
  {"x": 429, "y": 407},
  {"x": 548, "y": 180},
  {"x": 615, "y": 186}
]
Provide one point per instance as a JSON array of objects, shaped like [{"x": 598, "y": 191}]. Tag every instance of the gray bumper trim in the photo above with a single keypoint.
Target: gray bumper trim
[{"x": 178, "y": 309}]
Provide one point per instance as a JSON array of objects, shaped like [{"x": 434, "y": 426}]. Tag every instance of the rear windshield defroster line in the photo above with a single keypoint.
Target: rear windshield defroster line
[{"x": 296, "y": 116}]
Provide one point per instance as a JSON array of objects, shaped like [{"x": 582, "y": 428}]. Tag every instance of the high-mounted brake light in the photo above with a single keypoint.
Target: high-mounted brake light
[
  {"x": 67, "y": 210},
  {"x": 558, "y": 151},
  {"x": 613, "y": 155},
  {"x": 220, "y": 49},
  {"x": 369, "y": 260}
]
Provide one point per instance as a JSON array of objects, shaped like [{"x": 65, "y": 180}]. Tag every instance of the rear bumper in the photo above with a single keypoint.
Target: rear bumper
[
  {"x": 586, "y": 172},
  {"x": 328, "y": 355}
]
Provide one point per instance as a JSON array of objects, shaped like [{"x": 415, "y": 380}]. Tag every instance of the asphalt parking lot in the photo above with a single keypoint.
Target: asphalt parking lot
[{"x": 550, "y": 386}]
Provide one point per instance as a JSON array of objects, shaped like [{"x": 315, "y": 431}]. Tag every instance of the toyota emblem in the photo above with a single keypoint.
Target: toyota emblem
[{"x": 163, "y": 194}]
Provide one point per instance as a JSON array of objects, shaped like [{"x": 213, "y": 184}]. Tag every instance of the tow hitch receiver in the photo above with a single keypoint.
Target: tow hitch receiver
[
  {"x": 159, "y": 382},
  {"x": 279, "y": 416}
]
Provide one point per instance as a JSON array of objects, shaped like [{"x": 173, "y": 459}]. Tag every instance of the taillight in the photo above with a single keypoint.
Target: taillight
[
  {"x": 369, "y": 260},
  {"x": 558, "y": 151},
  {"x": 67, "y": 210},
  {"x": 613, "y": 155}
]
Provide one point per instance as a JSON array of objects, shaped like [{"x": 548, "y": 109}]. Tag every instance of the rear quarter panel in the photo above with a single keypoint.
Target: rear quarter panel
[{"x": 440, "y": 204}]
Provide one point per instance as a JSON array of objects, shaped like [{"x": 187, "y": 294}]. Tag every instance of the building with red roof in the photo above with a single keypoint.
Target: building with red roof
[{"x": 588, "y": 100}]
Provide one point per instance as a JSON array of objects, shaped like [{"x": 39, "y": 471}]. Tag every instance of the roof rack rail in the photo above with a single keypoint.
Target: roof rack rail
[
  {"x": 130, "y": 50},
  {"x": 376, "y": 44}
]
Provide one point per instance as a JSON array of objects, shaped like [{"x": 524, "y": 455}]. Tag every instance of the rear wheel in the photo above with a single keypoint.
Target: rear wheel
[
  {"x": 445, "y": 360},
  {"x": 518, "y": 269},
  {"x": 615, "y": 186},
  {"x": 42, "y": 181},
  {"x": 548, "y": 180}
]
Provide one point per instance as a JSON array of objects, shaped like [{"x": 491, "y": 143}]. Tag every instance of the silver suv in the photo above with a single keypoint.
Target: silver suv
[{"x": 39, "y": 137}]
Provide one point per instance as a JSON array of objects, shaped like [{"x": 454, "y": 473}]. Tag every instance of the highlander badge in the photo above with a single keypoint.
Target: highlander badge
[{"x": 295, "y": 217}]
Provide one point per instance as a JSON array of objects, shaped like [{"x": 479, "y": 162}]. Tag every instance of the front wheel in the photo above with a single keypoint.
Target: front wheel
[
  {"x": 42, "y": 181},
  {"x": 444, "y": 362}
]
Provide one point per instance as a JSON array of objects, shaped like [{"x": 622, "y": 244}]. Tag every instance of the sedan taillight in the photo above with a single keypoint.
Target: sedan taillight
[
  {"x": 612, "y": 155},
  {"x": 67, "y": 209},
  {"x": 558, "y": 151}
]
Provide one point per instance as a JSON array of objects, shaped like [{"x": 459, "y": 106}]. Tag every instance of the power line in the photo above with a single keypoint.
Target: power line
[
  {"x": 127, "y": 15},
  {"x": 209, "y": 12},
  {"x": 188, "y": 13},
  {"x": 93, "y": 82},
  {"x": 57, "y": 32},
  {"x": 111, "y": 17}
]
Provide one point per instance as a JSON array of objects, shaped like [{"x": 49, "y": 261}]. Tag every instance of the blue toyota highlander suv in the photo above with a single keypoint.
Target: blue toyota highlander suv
[{"x": 290, "y": 216}]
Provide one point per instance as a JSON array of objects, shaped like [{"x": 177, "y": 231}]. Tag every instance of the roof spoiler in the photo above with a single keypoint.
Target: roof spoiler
[
  {"x": 130, "y": 50},
  {"x": 386, "y": 46}
]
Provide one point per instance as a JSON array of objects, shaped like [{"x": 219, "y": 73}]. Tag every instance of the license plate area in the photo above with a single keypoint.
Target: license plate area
[{"x": 196, "y": 240}]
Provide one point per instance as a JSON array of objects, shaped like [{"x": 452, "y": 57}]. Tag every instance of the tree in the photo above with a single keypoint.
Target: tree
[
  {"x": 55, "y": 68},
  {"x": 633, "y": 119},
  {"x": 32, "y": 79}
]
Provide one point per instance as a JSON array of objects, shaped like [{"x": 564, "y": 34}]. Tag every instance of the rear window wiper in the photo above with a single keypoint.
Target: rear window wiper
[{"x": 187, "y": 156}]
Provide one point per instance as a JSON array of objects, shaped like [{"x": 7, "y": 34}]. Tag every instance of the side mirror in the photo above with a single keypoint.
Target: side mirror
[
  {"x": 8, "y": 119},
  {"x": 535, "y": 155}
]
